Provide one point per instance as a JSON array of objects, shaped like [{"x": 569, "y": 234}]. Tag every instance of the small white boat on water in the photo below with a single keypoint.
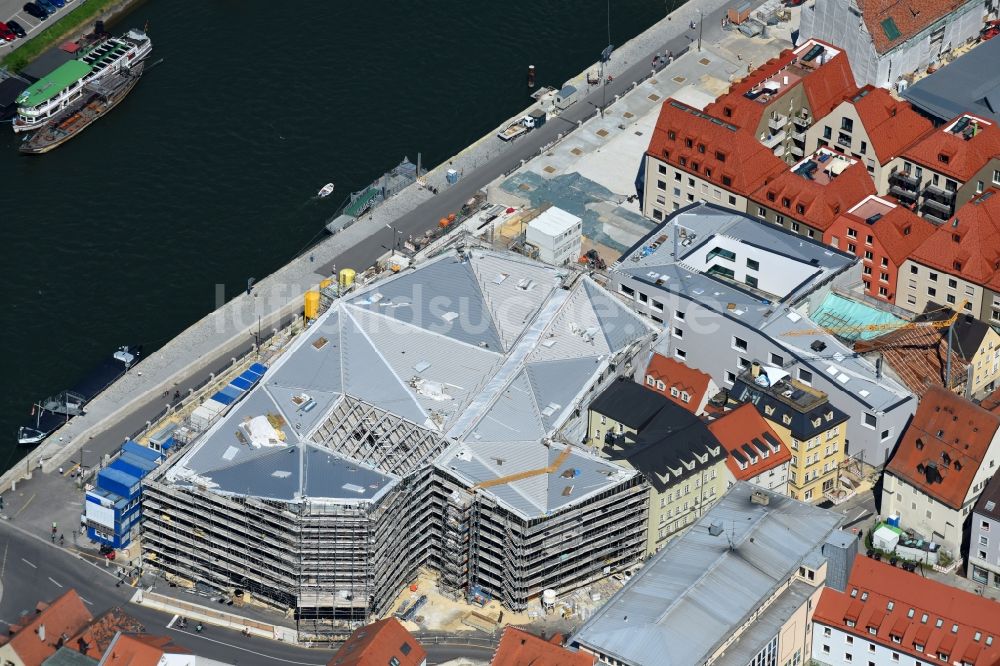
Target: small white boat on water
[{"x": 326, "y": 191}]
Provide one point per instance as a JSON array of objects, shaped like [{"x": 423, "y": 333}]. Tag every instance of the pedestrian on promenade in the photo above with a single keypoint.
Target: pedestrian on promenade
[
  {"x": 62, "y": 539},
  {"x": 60, "y": 471}
]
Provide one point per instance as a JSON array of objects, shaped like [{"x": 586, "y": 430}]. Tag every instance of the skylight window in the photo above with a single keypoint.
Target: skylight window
[{"x": 891, "y": 30}]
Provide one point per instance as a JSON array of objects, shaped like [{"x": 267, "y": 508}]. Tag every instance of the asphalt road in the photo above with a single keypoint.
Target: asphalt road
[{"x": 33, "y": 570}]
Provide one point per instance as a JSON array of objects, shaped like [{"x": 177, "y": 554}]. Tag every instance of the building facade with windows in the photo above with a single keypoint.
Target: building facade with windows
[
  {"x": 780, "y": 100},
  {"x": 883, "y": 235},
  {"x": 720, "y": 313},
  {"x": 946, "y": 168},
  {"x": 673, "y": 449},
  {"x": 872, "y": 127},
  {"x": 695, "y": 157},
  {"x": 959, "y": 264},
  {"x": 984, "y": 537},
  {"x": 890, "y": 617},
  {"x": 809, "y": 197},
  {"x": 945, "y": 459},
  {"x": 886, "y": 40},
  {"x": 755, "y": 451},
  {"x": 688, "y": 387},
  {"x": 814, "y": 431}
]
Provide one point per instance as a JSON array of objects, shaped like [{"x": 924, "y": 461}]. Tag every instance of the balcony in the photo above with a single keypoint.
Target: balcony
[
  {"x": 844, "y": 141},
  {"x": 802, "y": 120},
  {"x": 933, "y": 217},
  {"x": 772, "y": 140},
  {"x": 937, "y": 207},
  {"x": 903, "y": 195},
  {"x": 941, "y": 195},
  {"x": 797, "y": 150},
  {"x": 777, "y": 121},
  {"x": 904, "y": 180},
  {"x": 799, "y": 136}
]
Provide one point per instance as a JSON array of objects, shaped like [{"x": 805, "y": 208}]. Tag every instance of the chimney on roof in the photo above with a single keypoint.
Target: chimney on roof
[
  {"x": 760, "y": 497},
  {"x": 41, "y": 632}
]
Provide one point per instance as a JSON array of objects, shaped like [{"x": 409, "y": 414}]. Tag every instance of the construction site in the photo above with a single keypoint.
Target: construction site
[{"x": 429, "y": 419}]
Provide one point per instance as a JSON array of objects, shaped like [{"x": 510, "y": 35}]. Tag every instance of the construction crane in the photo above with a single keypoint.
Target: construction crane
[
  {"x": 527, "y": 474},
  {"x": 870, "y": 328}
]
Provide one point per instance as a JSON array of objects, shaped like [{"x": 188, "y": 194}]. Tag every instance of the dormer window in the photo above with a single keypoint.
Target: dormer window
[
  {"x": 687, "y": 143},
  {"x": 786, "y": 202},
  {"x": 771, "y": 196},
  {"x": 800, "y": 209},
  {"x": 650, "y": 381},
  {"x": 943, "y": 158},
  {"x": 671, "y": 135},
  {"x": 721, "y": 156}
]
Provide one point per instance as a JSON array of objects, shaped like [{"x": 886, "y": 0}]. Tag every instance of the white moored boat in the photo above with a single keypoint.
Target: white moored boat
[
  {"x": 47, "y": 97},
  {"x": 326, "y": 190}
]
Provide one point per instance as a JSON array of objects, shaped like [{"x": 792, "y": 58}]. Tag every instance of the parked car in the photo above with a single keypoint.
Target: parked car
[
  {"x": 6, "y": 34},
  {"x": 57, "y": 3},
  {"x": 17, "y": 29},
  {"x": 35, "y": 10},
  {"x": 47, "y": 5}
]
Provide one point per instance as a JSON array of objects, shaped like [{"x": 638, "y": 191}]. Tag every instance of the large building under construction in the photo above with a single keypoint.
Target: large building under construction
[{"x": 426, "y": 419}]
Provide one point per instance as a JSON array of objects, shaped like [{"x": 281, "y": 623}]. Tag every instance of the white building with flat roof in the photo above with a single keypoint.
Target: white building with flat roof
[{"x": 558, "y": 235}]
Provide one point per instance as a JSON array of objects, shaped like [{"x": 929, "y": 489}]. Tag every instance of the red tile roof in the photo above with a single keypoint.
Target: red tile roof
[
  {"x": 968, "y": 246},
  {"x": 737, "y": 430},
  {"x": 675, "y": 374},
  {"x": 908, "y": 16},
  {"x": 139, "y": 650},
  {"x": 824, "y": 86},
  {"x": 711, "y": 139},
  {"x": 873, "y": 585},
  {"x": 812, "y": 202},
  {"x": 952, "y": 154},
  {"x": 519, "y": 648},
  {"x": 43, "y": 633},
  {"x": 375, "y": 644},
  {"x": 944, "y": 465},
  {"x": 93, "y": 639},
  {"x": 919, "y": 357},
  {"x": 899, "y": 231},
  {"x": 891, "y": 125}
]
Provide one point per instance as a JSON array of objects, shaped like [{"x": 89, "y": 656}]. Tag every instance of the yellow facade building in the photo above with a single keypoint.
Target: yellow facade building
[{"x": 810, "y": 426}]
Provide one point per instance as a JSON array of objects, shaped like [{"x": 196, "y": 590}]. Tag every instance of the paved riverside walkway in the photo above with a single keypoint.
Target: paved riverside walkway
[{"x": 228, "y": 332}]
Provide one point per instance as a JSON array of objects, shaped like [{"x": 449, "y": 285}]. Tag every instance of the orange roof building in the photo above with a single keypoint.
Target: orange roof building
[
  {"x": 808, "y": 197},
  {"x": 691, "y": 153},
  {"x": 883, "y": 235},
  {"x": 967, "y": 249},
  {"x": 41, "y": 634},
  {"x": 887, "y": 612},
  {"x": 94, "y": 638},
  {"x": 519, "y": 648},
  {"x": 893, "y": 37},
  {"x": 142, "y": 650},
  {"x": 755, "y": 451},
  {"x": 947, "y": 167},
  {"x": 380, "y": 643},
  {"x": 811, "y": 80},
  {"x": 892, "y": 126},
  {"x": 940, "y": 466},
  {"x": 688, "y": 387}
]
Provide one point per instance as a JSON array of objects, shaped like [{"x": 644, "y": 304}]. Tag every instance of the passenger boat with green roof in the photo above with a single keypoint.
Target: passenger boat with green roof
[{"x": 48, "y": 97}]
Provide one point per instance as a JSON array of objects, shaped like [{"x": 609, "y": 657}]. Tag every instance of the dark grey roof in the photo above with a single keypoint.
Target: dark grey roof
[
  {"x": 969, "y": 84},
  {"x": 45, "y": 63},
  {"x": 968, "y": 332},
  {"x": 802, "y": 424},
  {"x": 989, "y": 502},
  {"x": 631, "y": 404},
  {"x": 672, "y": 440}
]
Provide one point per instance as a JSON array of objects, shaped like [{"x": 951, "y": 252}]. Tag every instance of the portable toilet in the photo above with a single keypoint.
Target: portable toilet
[{"x": 566, "y": 96}]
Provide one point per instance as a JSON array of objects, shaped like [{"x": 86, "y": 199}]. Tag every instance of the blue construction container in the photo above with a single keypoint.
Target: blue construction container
[
  {"x": 142, "y": 451},
  {"x": 133, "y": 464},
  {"x": 109, "y": 518},
  {"x": 118, "y": 482},
  {"x": 163, "y": 439},
  {"x": 242, "y": 383}
]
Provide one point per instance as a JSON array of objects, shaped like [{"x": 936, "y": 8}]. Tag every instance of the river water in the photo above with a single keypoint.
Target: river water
[{"x": 205, "y": 175}]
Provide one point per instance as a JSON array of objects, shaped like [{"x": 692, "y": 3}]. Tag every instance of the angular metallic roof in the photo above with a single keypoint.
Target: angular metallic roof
[{"x": 486, "y": 352}]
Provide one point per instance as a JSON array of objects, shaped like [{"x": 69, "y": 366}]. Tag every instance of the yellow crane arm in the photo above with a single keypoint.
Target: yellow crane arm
[{"x": 527, "y": 474}]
